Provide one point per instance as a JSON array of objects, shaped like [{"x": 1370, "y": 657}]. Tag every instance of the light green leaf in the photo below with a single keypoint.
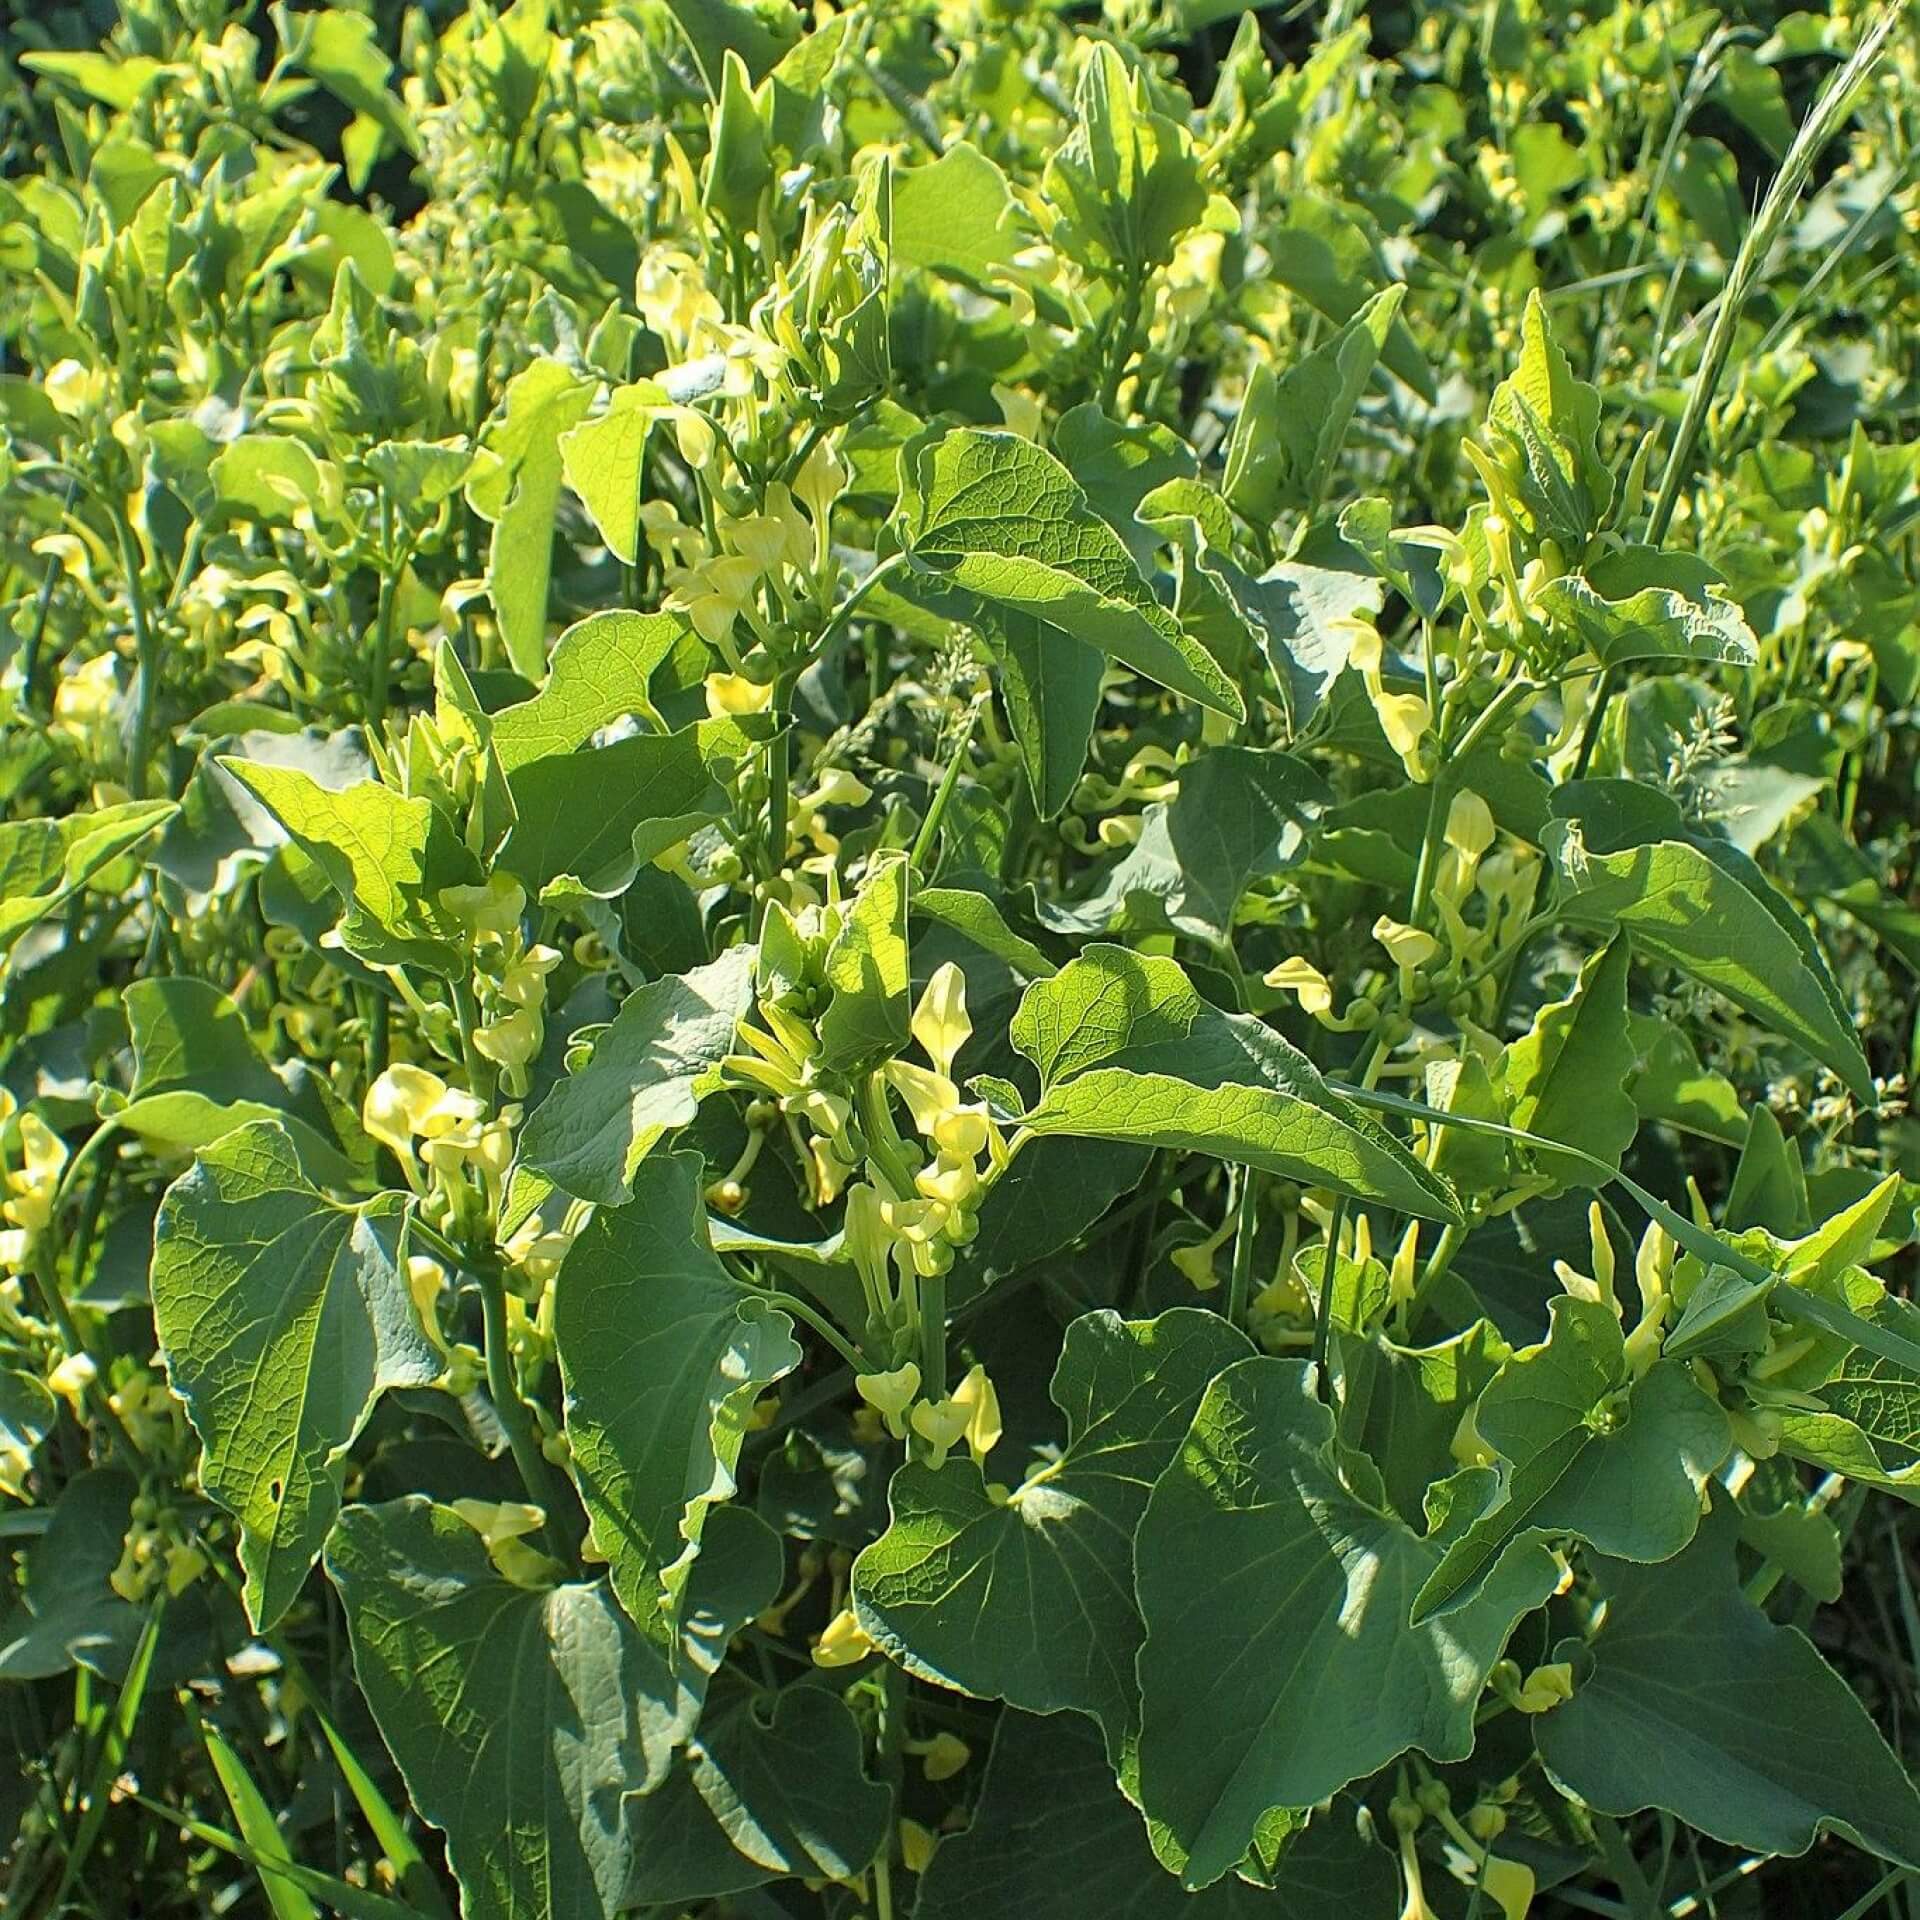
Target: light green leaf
[
  {"x": 1119, "y": 466},
  {"x": 998, "y": 517},
  {"x": 1691, "y": 1689},
  {"x": 258, "y": 1829},
  {"x": 598, "y": 674},
  {"x": 1586, "y": 1451},
  {"x": 1402, "y": 1406},
  {"x": 1546, "y": 422},
  {"x": 114, "y": 83},
  {"x": 767, "y": 1788},
  {"x": 1127, "y": 1050},
  {"x": 1126, "y": 177},
  {"x": 1030, "y": 1599},
  {"x": 953, "y": 216},
  {"x": 274, "y": 479},
  {"x": 663, "y": 1353},
  {"x": 1272, "y": 1586},
  {"x": 759, "y": 31},
  {"x": 1705, "y": 908},
  {"x": 644, "y": 795},
  {"x": 1052, "y": 1835},
  {"x": 1870, "y": 1427},
  {"x": 519, "y": 496},
  {"x": 975, "y": 916},
  {"x": 601, "y": 459},
  {"x": 340, "y": 50},
  {"x": 865, "y": 1022},
  {"x": 27, "y": 1414},
  {"x": 1291, "y": 426},
  {"x": 1295, "y": 614},
  {"x": 1241, "y": 814},
  {"x": 1323, "y": 253},
  {"x": 1050, "y": 683},
  {"x": 646, "y": 1075},
  {"x": 1565, "y": 1079},
  {"x": 510, "y": 1711},
  {"x": 197, "y": 1075},
  {"x": 45, "y": 862},
  {"x": 282, "y": 1317},
  {"x": 388, "y": 857},
  {"x": 1673, "y": 1086},
  {"x": 1642, "y": 605}
]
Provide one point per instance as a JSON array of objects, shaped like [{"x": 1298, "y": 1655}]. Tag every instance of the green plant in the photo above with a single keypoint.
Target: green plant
[{"x": 967, "y": 965}]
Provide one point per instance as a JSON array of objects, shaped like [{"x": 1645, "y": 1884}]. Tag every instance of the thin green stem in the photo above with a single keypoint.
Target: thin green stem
[
  {"x": 926, "y": 839},
  {"x": 536, "y": 1471},
  {"x": 146, "y": 679},
  {"x": 379, "y": 652},
  {"x": 877, "y": 576},
  {"x": 1239, "y": 1283},
  {"x": 818, "y": 1321},
  {"x": 1452, "y": 1238},
  {"x": 1323, "y": 1307}
]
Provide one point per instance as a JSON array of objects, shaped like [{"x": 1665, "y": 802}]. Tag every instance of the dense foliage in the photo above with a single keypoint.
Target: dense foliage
[{"x": 958, "y": 959}]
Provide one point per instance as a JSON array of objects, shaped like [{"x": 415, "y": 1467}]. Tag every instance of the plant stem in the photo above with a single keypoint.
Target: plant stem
[
  {"x": 536, "y": 1471},
  {"x": 1243, "y": 1229},
  {"x": 779, "y": 753},
  {"x": 924, "y": 841},
  {"x": 379, "y": 650},
  {"x": 1823, "y": 121},
  {"x": 1323, "y": 1307},
  {"x": 818, "y": 1321},
  {"x": 876, "y": 576},
  {"x": 146, "y": 679}
]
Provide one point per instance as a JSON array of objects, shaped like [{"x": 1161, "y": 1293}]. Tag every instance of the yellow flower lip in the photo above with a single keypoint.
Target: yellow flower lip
[
  {"x": 940, "y": 1020},
  {"x": 1305, "y": 981},
  {"x": 733, "y": 694},
  {"x": 1406, "y": 946},
  {"x": 843, "y": 1642}
]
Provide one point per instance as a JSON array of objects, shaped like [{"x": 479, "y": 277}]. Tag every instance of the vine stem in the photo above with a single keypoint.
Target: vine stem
[
  {"x": 1243, "y": 1227},
  {"x": 779, "y": 790},
  {"x": 536, "y": 1471},
  {"x": 1323, "y": 1307},
  {"x": 925, "y": 840},
  {"x": 1823, "y": 121},
  {"x": 793, "y": 1304},
  {"x": 146, "y": 679}
]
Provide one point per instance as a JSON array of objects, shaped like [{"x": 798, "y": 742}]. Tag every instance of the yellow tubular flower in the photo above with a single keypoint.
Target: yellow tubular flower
[
  {"x": 940, "y": 1021},
  {"x": 942, "y": 1424},
  {"x": 976, "y": 1394},
  {"x": 1545, "y": 1688},
  {"x": 890, "y": 1394},
  {"x": 944, "y": 1756},
  {"x": 1470, "y": 827},
  {"x": 512, "y": 1040},
  {"x": 928, "y": 1095},
  {"x": 525, "y": 981},
  {"x": 396, "y": 1106},
  {"x": 735, "y": 694},
  {"x": 71, "y": 1379},
  {"x": 843, "y": 1643},
  {"x": 821, "y": 481},
  {"x": 1508, "y": 1884},
  {"x": 1407, "y": 947},
  {"x": 1305, "y": 982},
  {"x": 495, "y": 906},
  {"x": 916, "y": 1846}
]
